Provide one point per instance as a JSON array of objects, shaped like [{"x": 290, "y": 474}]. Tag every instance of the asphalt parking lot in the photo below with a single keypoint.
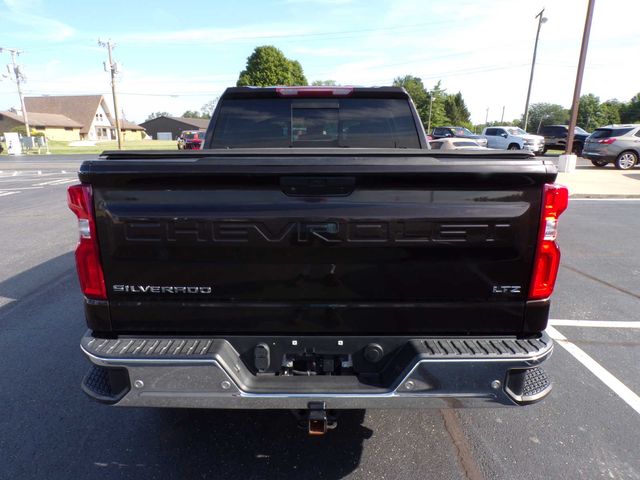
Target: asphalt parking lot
[{"x": 588, "y": 428}]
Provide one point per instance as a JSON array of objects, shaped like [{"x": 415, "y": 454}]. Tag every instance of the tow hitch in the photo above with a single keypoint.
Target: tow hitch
[{"x": 316, "y": 419}]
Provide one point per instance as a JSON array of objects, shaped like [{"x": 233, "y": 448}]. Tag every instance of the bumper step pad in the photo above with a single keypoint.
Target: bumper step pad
[
  {"x": 536, "y": 382},
  {"x": 106, "y": 385},
  {"x": 528, "y": 385}
]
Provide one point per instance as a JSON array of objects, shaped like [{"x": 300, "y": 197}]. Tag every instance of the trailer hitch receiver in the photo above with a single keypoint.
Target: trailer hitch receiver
[{"x": 319, "y": 421}]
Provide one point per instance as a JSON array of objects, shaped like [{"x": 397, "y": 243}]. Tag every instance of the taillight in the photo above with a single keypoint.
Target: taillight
[
  {"x": 314, "y": 91},
  {"x": 607, "y": 141},
  {"x": 90, "y": 274},
  {"x": 547, "y": 258}
]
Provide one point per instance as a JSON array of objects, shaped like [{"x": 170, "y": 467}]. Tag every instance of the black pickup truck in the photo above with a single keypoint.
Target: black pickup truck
[{"x": 317, "y": 256}]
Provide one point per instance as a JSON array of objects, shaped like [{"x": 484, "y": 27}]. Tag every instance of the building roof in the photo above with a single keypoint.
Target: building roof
[
  {"x": 80, "y": 108},
  {"x": 199, "y": 123},
  {"x": 43, "y": 119},
  {"x": 127, "y": 125}
]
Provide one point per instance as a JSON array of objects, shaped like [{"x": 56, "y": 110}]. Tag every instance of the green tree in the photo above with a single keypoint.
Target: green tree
[
  {"x": 456, "y": 110},
  {"x": 516, "y": 122},
  {"x": 207, "y": 109},
  {"x": 630, "y": 113},
  {"x": 268, "y": 66},
  {"x": 158, "y": 114},
  {"x": 422, "y": 100},
  {"x": 438, "y": 111},
  {"x": 417, "y": 92},
  {"x": 590, "y": 114},
  {"x": 22, "y": 130},
  {"x": 319, "y": 83},
  {"x": 541, "y": 114},
  {"x": 611, "y": 110},
  {"x": 192, "y": 114}
]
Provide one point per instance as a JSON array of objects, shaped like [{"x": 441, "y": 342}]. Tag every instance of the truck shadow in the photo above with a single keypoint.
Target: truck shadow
[
  {"x": 134, "y": 443},
  {"x": 37, "y": 279},
  {"x": 257, "y": 444}
]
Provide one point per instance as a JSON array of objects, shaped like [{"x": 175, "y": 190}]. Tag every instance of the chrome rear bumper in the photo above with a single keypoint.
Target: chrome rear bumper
[{"x": 209, "y": 373}]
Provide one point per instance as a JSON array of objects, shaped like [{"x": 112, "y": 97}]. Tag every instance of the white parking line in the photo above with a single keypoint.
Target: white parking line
[
  {"x": 25, "y": 178},
  {"x": 57, "y": 181},
  {"x": 594, "y": 323},
  {"x": 619, "y": 388},
  {"x": 619, "y": 199},
  {"x": 4, "y": 194}
]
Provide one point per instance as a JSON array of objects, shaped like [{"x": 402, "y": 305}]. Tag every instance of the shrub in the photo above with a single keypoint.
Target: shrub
[{"x": 23, "y": 131}]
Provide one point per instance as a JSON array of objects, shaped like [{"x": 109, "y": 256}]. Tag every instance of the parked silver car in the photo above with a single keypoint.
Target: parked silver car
[{"x": 617, "y": 144}]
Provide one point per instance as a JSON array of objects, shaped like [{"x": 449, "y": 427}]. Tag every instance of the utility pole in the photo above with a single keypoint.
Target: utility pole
[
  {"x": 541, "y": 19},
  {"x": 576, "y": 92},
  {"x": 19, "y": 78},
  {"x": 430, "y": 107},
  {"x": 502, "y": 117},
  {"x": 486, "y": 118},
  {"x": 113, "y": 69}
]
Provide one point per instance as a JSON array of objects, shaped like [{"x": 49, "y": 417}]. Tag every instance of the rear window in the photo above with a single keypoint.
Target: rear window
[
  {"x": 462, "y": 131},
  {"x": 317, "y": 122},
  {"x": 548, "y": 130},
  {"x": 610, "y": 132},
  {"x": 193, "y": 136}
]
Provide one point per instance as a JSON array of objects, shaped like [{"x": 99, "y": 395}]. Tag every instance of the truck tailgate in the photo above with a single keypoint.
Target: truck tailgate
[{"x": 248, "y": 243}]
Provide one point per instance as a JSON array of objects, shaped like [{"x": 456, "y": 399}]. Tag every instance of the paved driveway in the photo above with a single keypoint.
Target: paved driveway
[{"x": 585, "y": 430}]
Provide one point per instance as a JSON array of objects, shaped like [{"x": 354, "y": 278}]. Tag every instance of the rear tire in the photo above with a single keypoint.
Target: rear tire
[
  {"x": 599, "y": 163},
  {"x": 626, "y": 160},
  {"x": 513, "y": 146}
]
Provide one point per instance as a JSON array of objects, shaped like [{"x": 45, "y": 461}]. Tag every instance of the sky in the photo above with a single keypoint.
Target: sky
[{"x": 175, "y": 57}]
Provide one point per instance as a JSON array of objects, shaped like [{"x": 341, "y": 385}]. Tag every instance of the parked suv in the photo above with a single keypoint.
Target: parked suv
[
  {"x": 617, "y": 144},
  {"x": 555, "y": 137},
  {"x": 513, "y": 138},
  {"x": 460, "y": 132}
]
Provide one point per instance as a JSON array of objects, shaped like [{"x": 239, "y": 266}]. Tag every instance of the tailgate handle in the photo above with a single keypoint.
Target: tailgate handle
[{"x": 324, "y": 186}]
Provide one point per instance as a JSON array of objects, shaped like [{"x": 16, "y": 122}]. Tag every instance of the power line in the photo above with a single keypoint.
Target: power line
[
  {"x": 454, "y": 73},
  {"x": 447, "y": 74},
  {"x": 135, "y": 94},
  {"x": 18, "y": 78},
  {"x": 338, "y": 34}
]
